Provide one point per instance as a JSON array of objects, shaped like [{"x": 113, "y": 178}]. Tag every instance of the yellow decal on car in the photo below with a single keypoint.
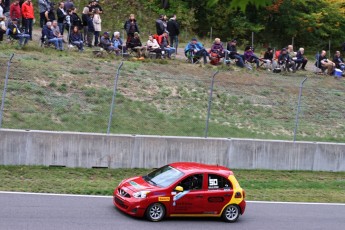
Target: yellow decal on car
[{"x": 164, "y": 198}]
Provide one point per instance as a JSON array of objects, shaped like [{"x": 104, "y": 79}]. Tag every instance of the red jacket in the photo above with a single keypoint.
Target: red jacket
[
  {"x": 28, "y": 10},
  {"x": 15, "y": 11}
]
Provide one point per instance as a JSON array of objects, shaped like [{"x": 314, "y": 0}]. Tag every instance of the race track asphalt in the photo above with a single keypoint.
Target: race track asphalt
[{"x": 39, "y": 211}]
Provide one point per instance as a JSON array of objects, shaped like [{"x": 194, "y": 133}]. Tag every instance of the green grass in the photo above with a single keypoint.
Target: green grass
[{"x": 259, "y": 184}]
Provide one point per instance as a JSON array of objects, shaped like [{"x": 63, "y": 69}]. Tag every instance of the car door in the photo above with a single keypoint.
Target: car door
[
  {"x": 191, "y": 199},
  {"x": 218, "y": 194}
]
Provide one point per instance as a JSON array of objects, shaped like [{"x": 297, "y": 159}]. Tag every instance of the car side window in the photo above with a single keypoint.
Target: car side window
[
  {"x": 192, "y": 182},
  {"x": 218, "y": 182}
]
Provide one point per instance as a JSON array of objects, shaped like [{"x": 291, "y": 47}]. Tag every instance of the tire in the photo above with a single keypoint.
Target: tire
[
  {"x": 231, "y": 213},
  {"x": 155, "y": 212}
]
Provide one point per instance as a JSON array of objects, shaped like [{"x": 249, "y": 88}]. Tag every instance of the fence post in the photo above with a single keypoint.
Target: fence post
[
  {"x": 252, "y": 40},
  {"x": 298, "y": 108},
  {"x": 329, "y": 48},
  {"x": 113, "y": 99},
  {"x": 211, "y": 34},
  {"x": 5, "y": 89},
  {"x": 209, "y": 103}
]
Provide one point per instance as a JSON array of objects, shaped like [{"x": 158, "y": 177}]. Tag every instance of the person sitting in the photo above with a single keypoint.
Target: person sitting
[
  {"x": 301, "y": 59},
  {"x": 118, "y": 44},
  {"x": 285, "y": 60},
  {"x": 16, "y": 33},
  {"x": 135, "y": 44},
  {"x": 197, "y": 49},
  {"x": 231, "y": 52},
  {"x": 56, "y": 29},
  {"x": 339, "y": 61},
  {"x": 324, "y": 63},
  {"x": 106, "y": 42},
  {"x": 250, "y": 57},
  {"x": 153, "y": 46},
  {"x": 163, "y": 41},
  {"x": 268, "y": 58},
  {"x": 216, "y": 52},
  {"x": 48, "y": 33},
  {"x": 76, "y": 38}
]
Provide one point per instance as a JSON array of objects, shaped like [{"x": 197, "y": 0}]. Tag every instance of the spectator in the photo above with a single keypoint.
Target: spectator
[
  {"x": 163, "y": 41},
  {"x": 118, "y": 43},
  {"x": 28, "y": 16},
  {"x": 97, "y": 24},
  {"x": 153, "y": 46},
  {"x": 95, "y": 5},
  {"x": 197, "y": 48},
  {"x": 56, "y": 29},
  {"x": 68, "y": 21},
  {"x": 131, "y": 27},
  {"x": 250, "y": 57},
  {"x": 291, "y": 53},
  {"x": 285, "y": 60},
  {"x": 6, "y": 8},
  {"x": 231, "y": 52},
  {"x": 68, "y": 5},
  {"x": 15, "y": 11},
  {"x": 75, "y": 19},
  {"x": 216, "y": 52},
  {"x": 2, "y": 6},
  {"x": 160, "y": 28},
  {"x": 44, "y": 9},
  {"x": 106, "y": 42},
  {"x": 49, "y": 34},
  {"x": 76, "y": 38},
  {"x": 18, "y": 34},
  {"x": 90, "y": 30},
  {"x": 136, "y": 45},
  {"x": 268, "y": 58},
  {"x": 84, "y": 18},
  {"x": 2, "y": 26},
  {"x": 51, "y": 13},
  {"x": 301, "y": 59},
  {"x": 325, "y": 63},
  {"x": 174, "y": 30},
  {"x": 61, "y": 17},
  {"x": 339, "y": 61}
]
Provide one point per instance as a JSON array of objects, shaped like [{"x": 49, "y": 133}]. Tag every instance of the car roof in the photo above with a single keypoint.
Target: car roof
[{"x": 193, "y": 167}]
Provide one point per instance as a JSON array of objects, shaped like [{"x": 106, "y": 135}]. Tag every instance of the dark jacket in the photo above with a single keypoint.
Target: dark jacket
[
  {"x": 134, "y": 42},
  {"x": 46, "y": 32},
  {"x": 232, "y": 49},
  {"x": 217, "y": 48},
  {"x": 268, "y": 55},
  {"x": 84, "y": 19},
  {"x": 76, "y": 21},
  {"x": 338, "y": 61},
  {"x": 131, "y": 26},
  {"x": 173, "y": 28},
  {"x": 60, "y": 16},
  {"x": 284, "y": 58},
  {"x": 75, "y": 37},
  {"x": 159, "y": 26},
  {"x": 90, "y": 26}
]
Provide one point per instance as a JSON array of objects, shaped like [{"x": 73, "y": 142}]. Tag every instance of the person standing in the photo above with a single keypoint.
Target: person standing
[
  {"x": 131, "y": 27},
  {"x": 61, "y": 17},
  {"x": 15, "y": 11},
  {"x": 160, "y": 25},
  {"x": 44, "y": 9},
  {"x": 84, "y": 18},
  {"x": 97, "y": 24},
  {"x": 174, "y": 30},
  {"x": 28, "y": 16}
]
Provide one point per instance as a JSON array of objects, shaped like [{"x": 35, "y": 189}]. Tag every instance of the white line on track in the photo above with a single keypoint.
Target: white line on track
[{"x": 96, "y": 196}]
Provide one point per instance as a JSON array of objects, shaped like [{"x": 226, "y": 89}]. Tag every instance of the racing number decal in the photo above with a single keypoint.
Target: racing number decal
[
  {"x": 213, "y": 183},
  {"x": 164, "y": 199}
]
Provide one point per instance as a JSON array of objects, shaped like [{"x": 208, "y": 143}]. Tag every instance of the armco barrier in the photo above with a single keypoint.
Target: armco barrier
[{"x": 18, "y": 147}]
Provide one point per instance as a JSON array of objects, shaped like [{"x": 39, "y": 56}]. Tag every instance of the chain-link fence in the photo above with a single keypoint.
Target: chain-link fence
[{"x": 151, "y": 103}]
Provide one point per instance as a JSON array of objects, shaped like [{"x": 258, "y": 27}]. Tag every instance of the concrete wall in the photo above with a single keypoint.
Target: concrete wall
[{"x": 18, "y": 147}]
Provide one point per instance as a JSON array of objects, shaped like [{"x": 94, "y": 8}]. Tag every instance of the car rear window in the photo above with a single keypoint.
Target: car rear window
[{"x": 218, "y": 182}]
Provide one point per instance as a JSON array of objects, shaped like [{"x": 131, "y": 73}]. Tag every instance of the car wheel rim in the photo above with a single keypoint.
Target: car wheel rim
[
  {"x": 156, "y": 212},
  {"x": 231, "y": 213}
]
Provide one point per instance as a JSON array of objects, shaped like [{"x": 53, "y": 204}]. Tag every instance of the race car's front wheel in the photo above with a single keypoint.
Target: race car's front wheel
[
  {"x": 231, "y": 213},
  {"x": 155, "y": 212}
]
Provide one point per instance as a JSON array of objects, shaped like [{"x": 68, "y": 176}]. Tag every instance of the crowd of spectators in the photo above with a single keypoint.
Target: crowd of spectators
[{"x": 17, "y": 19}]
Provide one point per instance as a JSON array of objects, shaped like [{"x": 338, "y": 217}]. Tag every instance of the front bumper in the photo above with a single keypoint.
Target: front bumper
[{"x": 131, "y": 206}]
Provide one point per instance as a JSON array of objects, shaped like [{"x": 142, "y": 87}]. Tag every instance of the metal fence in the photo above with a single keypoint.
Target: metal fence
[{"x": 210, "y": 105}]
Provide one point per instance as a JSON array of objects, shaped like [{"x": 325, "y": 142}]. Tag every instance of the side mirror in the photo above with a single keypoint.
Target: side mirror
[{"x": 179, "y": 189}]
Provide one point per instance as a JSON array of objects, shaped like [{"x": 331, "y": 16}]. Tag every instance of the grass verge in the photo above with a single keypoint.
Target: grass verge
[{"x": 259, "y": 184}]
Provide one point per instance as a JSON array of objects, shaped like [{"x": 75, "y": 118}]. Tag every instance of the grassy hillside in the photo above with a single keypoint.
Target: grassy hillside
[{"x": 51, "y": 90}]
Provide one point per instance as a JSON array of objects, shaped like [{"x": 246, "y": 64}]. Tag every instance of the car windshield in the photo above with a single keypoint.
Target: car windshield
[{"x": 163, "y": 177}]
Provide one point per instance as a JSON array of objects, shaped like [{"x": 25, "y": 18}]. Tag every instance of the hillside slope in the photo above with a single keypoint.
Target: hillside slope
[{"x": 72, "y": 91}]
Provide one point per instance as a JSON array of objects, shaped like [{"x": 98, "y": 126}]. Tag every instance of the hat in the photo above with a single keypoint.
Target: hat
[
  {"x": 284, "y": 49},
  {"x": 194, "y": 39},
  {"x": 106, "y": 33}
]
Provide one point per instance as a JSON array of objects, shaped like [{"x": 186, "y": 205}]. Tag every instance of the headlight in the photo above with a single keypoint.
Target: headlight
[{"x": 141, "y": 194}]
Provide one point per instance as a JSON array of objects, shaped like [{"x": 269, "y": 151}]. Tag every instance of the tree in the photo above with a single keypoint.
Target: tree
[{"x": 242, "y": 4}]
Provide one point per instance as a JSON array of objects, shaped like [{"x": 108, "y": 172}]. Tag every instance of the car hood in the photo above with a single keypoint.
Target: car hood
[{"x": 137, "y": 184}]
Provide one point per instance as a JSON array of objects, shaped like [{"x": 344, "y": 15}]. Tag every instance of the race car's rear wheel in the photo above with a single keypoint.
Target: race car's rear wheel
[
  {"x": 231, "y": 213},
  {"x": 155, "y": 212}
]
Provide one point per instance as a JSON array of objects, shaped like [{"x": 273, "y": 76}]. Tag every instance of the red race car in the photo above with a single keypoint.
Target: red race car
[{"x": 182, "y": 189}]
